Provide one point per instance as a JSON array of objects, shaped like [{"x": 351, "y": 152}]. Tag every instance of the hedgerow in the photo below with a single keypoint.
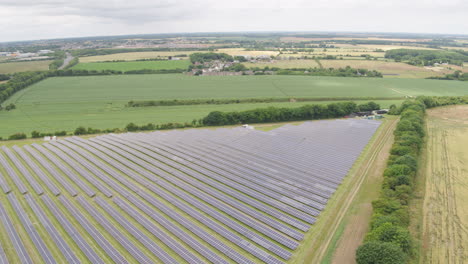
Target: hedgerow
[{"x": 390, "y": 219}]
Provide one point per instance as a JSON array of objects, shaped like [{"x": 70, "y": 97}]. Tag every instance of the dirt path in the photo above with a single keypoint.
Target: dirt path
[{"x": 369, "y": 165}]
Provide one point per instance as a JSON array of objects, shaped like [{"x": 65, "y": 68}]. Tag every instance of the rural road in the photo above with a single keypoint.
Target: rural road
[{"x": 66, "y": 61}]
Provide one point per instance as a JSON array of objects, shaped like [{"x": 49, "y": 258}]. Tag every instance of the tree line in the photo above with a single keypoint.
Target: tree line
[
  {"x": 389, "y": 240},
  {"x": 426, "y": 57},
  {"x": 209, "y": 56},
  {"x": 336, "y": 72},
  {"x": 150, "y": 103},
  {"x": 457, "y": 75},
  {"x": 276, "y": 114}
]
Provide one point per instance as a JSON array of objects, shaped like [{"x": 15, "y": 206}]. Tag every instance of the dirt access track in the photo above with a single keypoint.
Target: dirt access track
[
  {"x": 341, "y": 229},
  {"x": 445, "y": 174}
]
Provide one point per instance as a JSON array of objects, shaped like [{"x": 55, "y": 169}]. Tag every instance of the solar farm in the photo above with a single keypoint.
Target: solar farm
[{"x": 226, "y": 195}]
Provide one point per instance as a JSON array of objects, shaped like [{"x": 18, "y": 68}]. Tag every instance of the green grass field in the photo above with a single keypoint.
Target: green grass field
[
  {"x": 99, "y": 101},
  {"x": 133, "y": 65},
  {"x": 12, "y": 67}
]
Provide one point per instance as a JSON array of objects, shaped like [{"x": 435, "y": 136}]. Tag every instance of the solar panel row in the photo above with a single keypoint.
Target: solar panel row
[
  {"x": 199, "y": 194},
  {"x": 14, "y": 237},
  {"x": 35, "y": 185},
  {"x": 58, "y": 177},
  {"x": 52, "y": 231},
  {"x": 85, "y": 174},
  {"x": 37, "y": 171},
  {"x": 16, "y": 179},
  {"x": 163, "y": 162},
  {"x": 30, "y": 229},
  {"x": 3, "y": 257},
  {"x": 76, "y": 236},
  {"x": 108, "y": 248}
]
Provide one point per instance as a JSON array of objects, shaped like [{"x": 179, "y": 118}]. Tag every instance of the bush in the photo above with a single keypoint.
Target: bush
[
  {"x": 379, "y": 253},
  {"x": 17, "y": 136},
  {"x": 394, "y": 234}
]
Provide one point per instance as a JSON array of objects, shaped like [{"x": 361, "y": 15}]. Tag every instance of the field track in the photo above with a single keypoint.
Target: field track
[{"x": 318, "y": 252}]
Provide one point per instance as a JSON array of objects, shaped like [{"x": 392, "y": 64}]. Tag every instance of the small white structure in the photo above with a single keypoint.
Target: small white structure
[
  {"x": 247, "y": 126},
  {"x": 46, "y": 138}
]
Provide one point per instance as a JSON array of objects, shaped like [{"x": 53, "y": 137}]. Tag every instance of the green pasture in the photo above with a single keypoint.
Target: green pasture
[
  {"x": 133, "y": 65},
  {"x": 99, "y": 101}
]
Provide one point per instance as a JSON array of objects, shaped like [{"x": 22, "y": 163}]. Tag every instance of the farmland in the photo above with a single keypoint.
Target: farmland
[
  {"x": 138, "y": 198},
  {"x": 445, "y": 187},
  {"x": 132, "y": 56},
  {"x": 133, "y": 65},
  {"x": 68, "y": 102},
  {"x": 12, "y": 67},
  {"x": 389, "y": 69}
]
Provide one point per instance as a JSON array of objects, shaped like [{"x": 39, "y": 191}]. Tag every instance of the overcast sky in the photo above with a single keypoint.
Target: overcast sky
[{"x": 42, "y": 19}]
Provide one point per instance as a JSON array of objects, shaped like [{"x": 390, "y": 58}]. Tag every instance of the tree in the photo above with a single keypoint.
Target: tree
[
  {"x": 131, "y": 127},
  {"x": 379, "y": 253},
  {"x": 80, "y": 131},
  {"x": 35, "y": 134},
  {"x": 215, "y": 118}
]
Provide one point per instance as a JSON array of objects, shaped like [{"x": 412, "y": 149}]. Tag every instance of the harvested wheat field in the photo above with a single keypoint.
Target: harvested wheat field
[{"x": 445, "y": 210}]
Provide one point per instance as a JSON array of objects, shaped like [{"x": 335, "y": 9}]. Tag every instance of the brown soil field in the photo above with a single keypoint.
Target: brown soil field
[{"x": 444, "y": 224}]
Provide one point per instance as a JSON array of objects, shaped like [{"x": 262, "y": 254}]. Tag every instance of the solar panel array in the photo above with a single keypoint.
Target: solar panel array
[{"x": 187, "y": 196}]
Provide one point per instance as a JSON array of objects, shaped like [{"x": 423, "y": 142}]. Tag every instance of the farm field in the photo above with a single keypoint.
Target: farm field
[
  {"x": 56, "y": 116},
  {"x": 444, "y": 213},
  {"x": 284, "y": 64},
  {"x": 12, "y": 67},
  {"x": 141, "y": 197},
  {"x": 99, "y": 101},
  {"x": 390, "y": 69},
  {"x": 393, "y": 69},
  {"x": 133, "y": 65},
  {"x": 242, "y": 51},
  {"x": 131, "y": 56}
]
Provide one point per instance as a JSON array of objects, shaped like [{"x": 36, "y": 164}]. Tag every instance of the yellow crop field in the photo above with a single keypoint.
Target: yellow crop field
[
  {"x": 395, "y": 69},
  {"x": 241, "y": 51},
  {"x": 383, "y": 47},
  {"x": 284, "y": 64},
  {"x": 131, "y": 56},
  {"x": 445, "y": 214}
]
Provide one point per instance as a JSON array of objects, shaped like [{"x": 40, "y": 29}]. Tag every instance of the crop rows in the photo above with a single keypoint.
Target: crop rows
[{"x": 195, "y": 196}]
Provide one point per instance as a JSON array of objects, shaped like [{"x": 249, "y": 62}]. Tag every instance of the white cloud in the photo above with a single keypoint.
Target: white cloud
[{"x": 28, "y": 19}]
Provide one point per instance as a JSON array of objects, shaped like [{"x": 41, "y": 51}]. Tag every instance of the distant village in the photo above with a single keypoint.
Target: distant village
[{"x": 227, "y": 68}]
